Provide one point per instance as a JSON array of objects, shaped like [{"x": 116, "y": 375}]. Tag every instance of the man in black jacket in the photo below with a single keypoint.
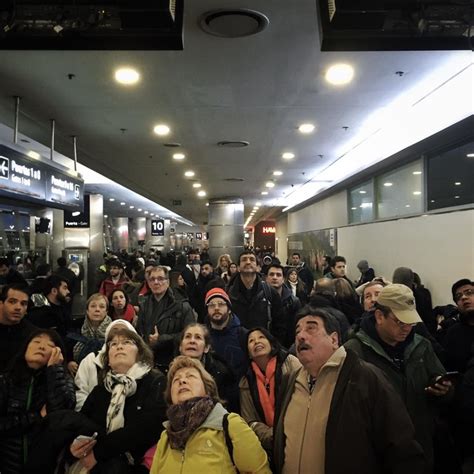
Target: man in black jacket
[
  {"x": 14, "y": 329},
  {"x": 303, "y": 271},
  {"x": 254, "y": 302}
]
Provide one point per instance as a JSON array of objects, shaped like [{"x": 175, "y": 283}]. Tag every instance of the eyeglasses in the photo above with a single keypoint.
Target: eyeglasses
[
  {"x": 401, "y": 324},
  {"x": 158, "y": 279},
  {"x": 468, "y": 292},
  {"x": 123, "y": 342},
  {"x": 216, "y": 305}
]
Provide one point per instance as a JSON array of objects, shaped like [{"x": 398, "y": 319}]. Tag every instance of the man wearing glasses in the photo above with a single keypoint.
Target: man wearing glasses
[
  {"x": 387, "y": 340},
  {"x": 162, "y": 317}
]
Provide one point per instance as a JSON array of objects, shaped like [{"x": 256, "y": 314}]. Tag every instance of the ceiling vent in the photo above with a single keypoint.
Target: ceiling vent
[
  {"x": 233, "y": 143},
  {"x": 172, "y": 145},
  {"x": 234, "y": 180},
  {"x": 233, "y": 23}
]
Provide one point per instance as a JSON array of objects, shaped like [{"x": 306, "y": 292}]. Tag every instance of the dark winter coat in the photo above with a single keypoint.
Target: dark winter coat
[
  {"x": 144, "y": 414},
  {"x": 11, "y": 338},
  {"x": 367, "y": 421},
  {"x": 21, "y": 424},
  {"x": 254, "y": 306},
  {"x": 459, "y": 345},
  {"x": 291, "y": 305}
]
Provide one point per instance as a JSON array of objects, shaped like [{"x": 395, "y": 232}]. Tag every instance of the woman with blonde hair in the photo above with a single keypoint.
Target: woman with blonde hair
[
  {"x": 223, "y": 263},
  {"x": 201, "y": 436}
]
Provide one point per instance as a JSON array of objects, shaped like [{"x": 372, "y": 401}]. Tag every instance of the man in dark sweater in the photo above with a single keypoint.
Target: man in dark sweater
[{"x": 14, "y": 329}]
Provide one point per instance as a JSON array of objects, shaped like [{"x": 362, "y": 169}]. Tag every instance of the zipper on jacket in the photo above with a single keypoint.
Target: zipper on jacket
[{"x": 182, "y": 460}]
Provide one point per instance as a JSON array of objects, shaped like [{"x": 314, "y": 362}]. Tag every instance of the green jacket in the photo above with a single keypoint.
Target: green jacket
[{"x": 421, "y": 366}]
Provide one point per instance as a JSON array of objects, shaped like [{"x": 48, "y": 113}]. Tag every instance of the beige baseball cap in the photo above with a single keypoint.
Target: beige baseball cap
[{"x": 399, "y": 298}]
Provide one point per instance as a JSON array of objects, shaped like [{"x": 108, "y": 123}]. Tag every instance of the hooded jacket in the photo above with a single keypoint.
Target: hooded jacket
[
  {"x": 206, "y": 450},
  {"x": 419, "y": 368}
]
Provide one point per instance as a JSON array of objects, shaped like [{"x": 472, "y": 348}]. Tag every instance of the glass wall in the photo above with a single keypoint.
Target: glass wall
[
  {"x": 451, "y": 177},
  {"x": 400, "y": 192},
  {"x": 361, "y": 201}
]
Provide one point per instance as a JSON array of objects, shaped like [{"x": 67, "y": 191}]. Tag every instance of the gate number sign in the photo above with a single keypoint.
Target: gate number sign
[{"x": 158, "y": 227}]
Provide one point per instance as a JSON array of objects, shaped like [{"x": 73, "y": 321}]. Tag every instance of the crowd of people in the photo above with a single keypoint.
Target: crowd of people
[{"x": 181, "y": 364}]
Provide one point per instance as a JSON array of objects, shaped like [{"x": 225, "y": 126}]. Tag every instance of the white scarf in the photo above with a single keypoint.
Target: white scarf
[
  {"x": 121, "y": 386},
  {"x": 293, "y": 287}
]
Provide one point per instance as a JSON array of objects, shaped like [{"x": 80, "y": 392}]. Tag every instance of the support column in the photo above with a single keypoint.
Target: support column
[
  {"x": 226, "y": 227},
  {"x": 120, "y": 233},
  {"x": 57, "y": 236},
  {"x": 96, "y": 239}
]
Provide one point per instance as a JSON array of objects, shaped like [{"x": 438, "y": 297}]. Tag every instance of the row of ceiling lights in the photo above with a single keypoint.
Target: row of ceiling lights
[{"x": 139, "y": 209}]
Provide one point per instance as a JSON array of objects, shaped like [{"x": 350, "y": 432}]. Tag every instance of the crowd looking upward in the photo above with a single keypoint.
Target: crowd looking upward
[{"x": 184, "y": 363}]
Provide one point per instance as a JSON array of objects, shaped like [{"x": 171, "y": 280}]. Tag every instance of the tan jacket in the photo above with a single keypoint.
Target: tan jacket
[{"x": 250, "y": 413}]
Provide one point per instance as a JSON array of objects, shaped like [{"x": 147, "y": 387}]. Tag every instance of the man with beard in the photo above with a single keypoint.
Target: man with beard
[
  {"x": 387, "y": 339},
  {"x": 50, "y": 310},
  {"x": 115, "y": 280},
  {"x": 254, "y": 301},
  {"x": 340, "y": 414},
  {"x": 206, "y": 281}
]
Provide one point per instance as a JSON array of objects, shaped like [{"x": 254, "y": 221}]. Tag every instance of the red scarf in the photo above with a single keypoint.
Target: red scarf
[
  {"x": 128, "y": 315},
  {"x": 266, "y": 389}
]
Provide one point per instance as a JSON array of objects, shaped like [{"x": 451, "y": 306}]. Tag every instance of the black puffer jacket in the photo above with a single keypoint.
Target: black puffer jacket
[{"x": 20, "y": 405}]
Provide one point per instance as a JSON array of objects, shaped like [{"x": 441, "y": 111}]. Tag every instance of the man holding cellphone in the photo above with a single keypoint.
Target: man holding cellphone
[{"x": 387, "y": 340}]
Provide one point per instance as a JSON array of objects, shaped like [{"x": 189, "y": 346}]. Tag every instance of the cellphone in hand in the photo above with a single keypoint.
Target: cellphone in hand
[
  {"x": 449, "y": 376},
  {"x": 83, "y": 437}
]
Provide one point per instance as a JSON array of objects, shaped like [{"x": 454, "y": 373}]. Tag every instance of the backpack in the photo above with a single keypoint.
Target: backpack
[{"x": 228, "y": 439}]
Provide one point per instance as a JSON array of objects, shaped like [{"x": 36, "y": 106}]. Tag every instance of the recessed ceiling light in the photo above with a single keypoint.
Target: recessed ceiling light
[
  {"x": 196, "y": 185},
  {"x": 189, "y": 174},
  {"x": 432, "y": 200},
  {"x": 354, "y": 208},
  {"x": 470, "y": 155},
  {"x": 152, "y": 213},
  {"x": 339, "y": 74},
  {"x": 207, "y": 204},
  {"x": 362, "y": 192},
  {"x": 105, "y": 215},
  {"x": 111, "y": 199},
  {"x": 139, "y": 209},
  {"x": 258, "y": 203},
  {"x": 264, "y": 193},
  {"x": 407, "y": 205},
  {"x": 416, "y": 193},
  {"x": 161, "y": 129},
  {"x": 277, "y": 173},
  {"x": 416, "y": 172},
  {"x": 132, "y": 207},
  {"x": 146, "y": 212},
  {"x": 127, "y": 76},
  {"x": 288, "y": 155},
  {"x": 201, "y": 193},
  {"x": 306, "y": 128},
  {"x": 269, "y": 184},
  {"x": 122, "y": 204},
  {"x": 34, "y": 154},
  {"x": 179, "y": 156},
  {"x": 457, "y": 197},
  {"x": 388, "y": 184},
  {"x": 457, "y": 183}
]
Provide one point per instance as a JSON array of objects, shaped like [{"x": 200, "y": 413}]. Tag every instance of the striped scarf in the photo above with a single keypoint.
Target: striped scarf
[{"x": 90, "y": 332}]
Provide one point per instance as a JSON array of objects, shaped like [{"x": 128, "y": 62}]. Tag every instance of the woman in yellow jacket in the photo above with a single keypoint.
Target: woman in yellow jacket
[{"x": 200, "y": 436}]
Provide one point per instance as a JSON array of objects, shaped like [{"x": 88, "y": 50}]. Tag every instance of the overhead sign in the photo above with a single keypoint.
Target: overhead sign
[
  {"x": 158, "y": 227},
  {"x": 24, "y": 177},
  {"x": 268, "y": 230},
  {"x": 77, "y": 219},
  {"x": 198, "y": 235}
]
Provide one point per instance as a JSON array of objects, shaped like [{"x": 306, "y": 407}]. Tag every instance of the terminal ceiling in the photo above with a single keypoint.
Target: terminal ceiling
[{"x": 256, "y": 89}]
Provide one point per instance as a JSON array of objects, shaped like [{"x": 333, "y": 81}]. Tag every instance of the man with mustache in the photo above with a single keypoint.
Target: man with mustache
[
  {"x": 14, "y": 329},
  {"x": 340, "y": 414}
]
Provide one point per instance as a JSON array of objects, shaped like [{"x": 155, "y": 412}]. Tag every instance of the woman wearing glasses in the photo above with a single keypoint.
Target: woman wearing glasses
[{"x": 127, "y": 406}]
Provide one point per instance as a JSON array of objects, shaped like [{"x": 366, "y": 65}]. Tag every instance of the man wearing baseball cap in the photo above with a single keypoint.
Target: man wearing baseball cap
[{"x": 387, "y": 339}]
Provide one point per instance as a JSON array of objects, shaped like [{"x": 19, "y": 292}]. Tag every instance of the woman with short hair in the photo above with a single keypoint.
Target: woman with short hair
[{"x": 201, "y": 436}]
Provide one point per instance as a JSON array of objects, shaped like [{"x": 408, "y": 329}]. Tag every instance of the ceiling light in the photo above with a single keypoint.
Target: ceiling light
[
  {"x": 146, "y": 212},
  {"x": 457, "y": 183},
  {"x": 339, "y": 74},
  {"x": 139, "y": 209},
  {"x": 416, "y": 193},
  {"x": 105, "y": 215},
  {"x": 288, "y": 155},
  {"x": 152, "y": 214},
  {"x": 34, "y": 154},
  {"x": 264, "y": 193},
  {"x": 388, "y": 184},
  {"x": 189, "y": 174},
  {"x": 306, "y": 128},
  {"x": 432, "y": 200},
  {"x": 407, "y": 205},
  {"x": 470, "y": 155},
  {"x": 416, "y": 172},
  {"x": 354, "y": 208},
  {"x": 269, "y": 184},
  {"x": 111, "y": 199},
  {"x": 196, "y": 185},
  {"x": 207, "y": 204},
  {"x": 161, "y": 129},
  {"x": 122, "y": 204},
  {"x": 457, "y": 197},
  {"x": 179, "y": 156},
  {"x": 277, "y": 173},
  {"x": 201, "y": 193},
  {"x": 127, "y": 76},
  {"x": 258, "y": 203},
  {"x": 362, "y": 192}
]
